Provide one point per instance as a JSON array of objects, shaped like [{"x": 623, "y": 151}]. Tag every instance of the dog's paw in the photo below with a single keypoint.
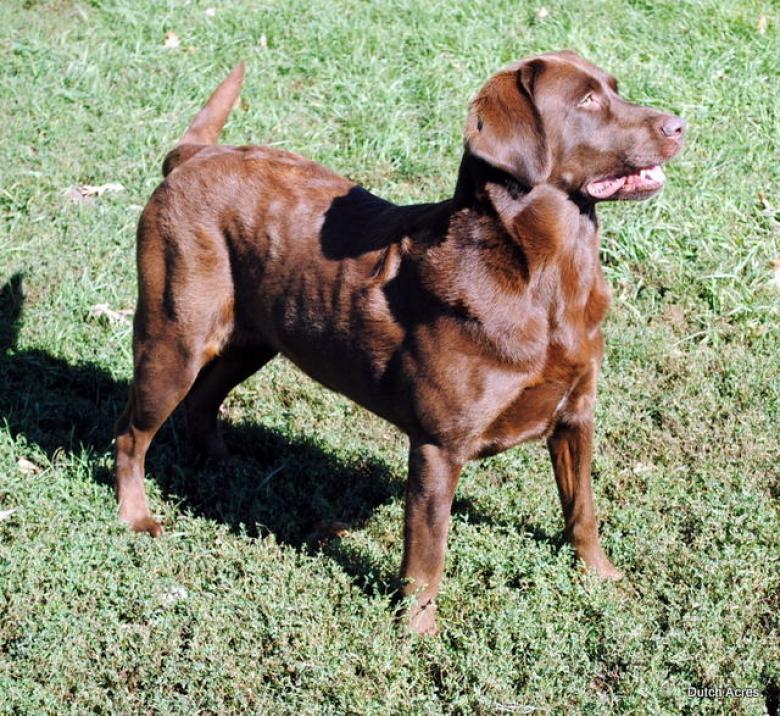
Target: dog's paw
[
  {"x": 422, "y": 620},
  {"x": 608, "y": 571},
  {"x": 145, "y": 524},
  {"x": 598, "y": 564},
  {"x": 208, "y": 450}
]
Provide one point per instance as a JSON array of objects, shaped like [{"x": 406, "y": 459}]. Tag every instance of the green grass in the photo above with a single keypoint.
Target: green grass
[{"x": 241, "y": 607}]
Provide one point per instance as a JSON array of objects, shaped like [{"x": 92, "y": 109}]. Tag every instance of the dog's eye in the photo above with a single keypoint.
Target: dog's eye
[{"x": 587, "y": 101}]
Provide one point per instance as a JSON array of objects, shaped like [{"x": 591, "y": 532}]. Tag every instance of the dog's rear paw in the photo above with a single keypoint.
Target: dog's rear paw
[
  {"x": 210, "y": 450},
  {"x": 145, "y": 524}
]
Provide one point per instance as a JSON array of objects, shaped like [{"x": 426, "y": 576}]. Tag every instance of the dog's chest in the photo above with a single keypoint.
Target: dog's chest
[
  {"x": 548, "y": 342},
  {"x": 543, "y": 322}
]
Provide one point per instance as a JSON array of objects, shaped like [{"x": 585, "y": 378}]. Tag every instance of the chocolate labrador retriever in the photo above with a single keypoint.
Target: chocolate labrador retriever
[{"x": 472, "y": 324}]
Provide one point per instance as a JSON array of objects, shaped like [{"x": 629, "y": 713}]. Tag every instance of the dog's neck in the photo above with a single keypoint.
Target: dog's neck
[
  {"x": 474, "y": 176},
  {"x": 479, "y": 181}
]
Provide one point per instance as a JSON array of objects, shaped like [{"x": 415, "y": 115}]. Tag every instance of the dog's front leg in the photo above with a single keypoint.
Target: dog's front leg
[
  {"x": 433, "y": 476},
  {"x": 571, "y": 447}
]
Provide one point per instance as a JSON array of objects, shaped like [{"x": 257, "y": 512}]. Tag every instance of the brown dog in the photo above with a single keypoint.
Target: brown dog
[{"x": 472, "y": 324}]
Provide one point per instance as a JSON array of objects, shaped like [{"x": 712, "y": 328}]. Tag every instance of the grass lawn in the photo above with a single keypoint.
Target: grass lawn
[{"x": 246, "y": 604}]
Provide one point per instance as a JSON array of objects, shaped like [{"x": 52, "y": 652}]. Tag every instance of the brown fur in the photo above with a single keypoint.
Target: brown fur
[{"x": 472, "y": 324}]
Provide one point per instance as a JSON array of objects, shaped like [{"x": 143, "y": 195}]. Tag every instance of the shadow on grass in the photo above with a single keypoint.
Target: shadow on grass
[{"x": 289, "y": 487}]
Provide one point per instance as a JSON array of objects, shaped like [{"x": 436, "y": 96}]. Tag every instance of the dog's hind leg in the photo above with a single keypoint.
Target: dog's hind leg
[
  {"x": 184, "y": 318},
  {"x": 165, "y": 369},
  {"x": 214, "y": 382}
]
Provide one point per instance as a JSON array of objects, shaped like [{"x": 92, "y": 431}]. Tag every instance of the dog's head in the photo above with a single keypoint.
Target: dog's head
[{"x": 558, "y": 119}]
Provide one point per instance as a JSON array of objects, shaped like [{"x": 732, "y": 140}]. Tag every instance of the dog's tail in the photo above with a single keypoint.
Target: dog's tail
[{"x": 207, "y": 124}]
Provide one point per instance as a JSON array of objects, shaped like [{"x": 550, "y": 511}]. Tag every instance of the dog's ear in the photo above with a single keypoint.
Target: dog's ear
[{"x": 504, "y": 127}]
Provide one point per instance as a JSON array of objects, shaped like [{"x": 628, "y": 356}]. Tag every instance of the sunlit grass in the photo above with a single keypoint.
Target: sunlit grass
[{"x": 242, "y": 607}]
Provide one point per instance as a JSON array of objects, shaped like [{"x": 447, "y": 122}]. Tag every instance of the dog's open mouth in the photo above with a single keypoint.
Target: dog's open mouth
[{"x": 638, "y": 184}]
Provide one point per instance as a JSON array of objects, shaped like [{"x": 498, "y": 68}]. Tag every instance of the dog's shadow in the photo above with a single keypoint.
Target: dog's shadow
[{"x": 291, "y": 487}]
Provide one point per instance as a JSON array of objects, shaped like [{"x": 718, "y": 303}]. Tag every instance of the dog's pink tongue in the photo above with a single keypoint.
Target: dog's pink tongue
[
  {"x": 603, "y": 188},
  {"x": 642, "y": 180}
]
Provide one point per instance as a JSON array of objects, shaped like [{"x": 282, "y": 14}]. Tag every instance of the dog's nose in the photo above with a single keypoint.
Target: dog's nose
[{"x": 671, "y": 126}]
